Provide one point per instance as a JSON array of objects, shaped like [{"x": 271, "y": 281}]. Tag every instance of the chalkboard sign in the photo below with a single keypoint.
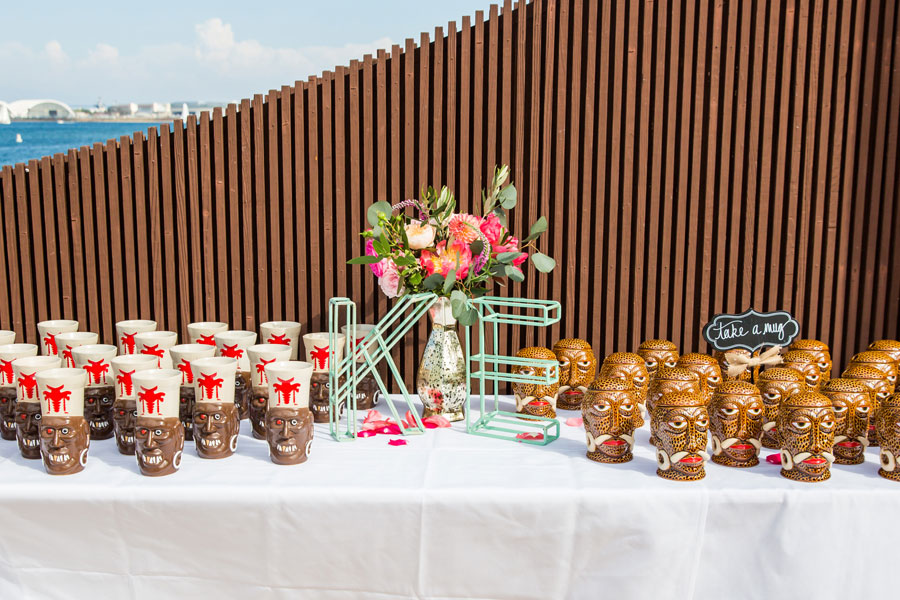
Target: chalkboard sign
[{"x": 751, "y": 330}]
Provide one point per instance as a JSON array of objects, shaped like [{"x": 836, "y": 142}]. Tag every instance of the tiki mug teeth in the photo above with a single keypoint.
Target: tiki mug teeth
[
  {"x": 157, "y": 344},
  {"x": 28, "y": 401},
  {"x": 852, "y": 412},
  {"x": 531, "y": 398},
  {"x": 820, "y": 352},
  {"x": 367, "y": 388},
  {"x": 126, "y": 330},
  {"x": 577, "y": 369},
  {"x": 806, "y": 427},
  {"x": 216, "y": 421},
  {"x": 64, "y": 433},
  {"x": 47, "y": 332},
  {"x": 260, "y": 356},
  {"x": 608, "y": 412},
  {"x": 631, "y": 368},
  {"x": 68, "y": 341},
  {"x": 887, "y": 428},
  {"x": 707, "y": 369},
  {"x": 282, "y": 333},
  {"x": 182, "y": 355},
  {"x": 681, "y": 423},
  {"x": 879, "y": 388},
  {"x": 9, "y": 353},
  {"x": 735, "y": 424},
  {"x": 289, "y": 422},
  {"x": 204, "y": 332},
  {"x": 124, "y": 409},
  {"x": 658, "y": 354},
  {"x": 776, "y": 385},
  {"x": 99, "y": 394},
  {"x": 668, "y": 381},
  {"x": 158, "y": 432}
]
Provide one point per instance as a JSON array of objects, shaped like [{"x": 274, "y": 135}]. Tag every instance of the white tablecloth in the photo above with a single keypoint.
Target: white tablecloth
[{"x": 450, "y": 515}]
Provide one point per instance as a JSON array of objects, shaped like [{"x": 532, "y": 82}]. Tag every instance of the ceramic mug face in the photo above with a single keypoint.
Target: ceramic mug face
[
  {"x": 577, "y": 368},
  {"x": 8, "y": 413},
  {"x": 736, "y": 421},
  {"x": 887, "y": 424},
  {"x": 609, "y": 424},
  {"x": 159, "y": 443},
  {"x": 710, "y": 376},
  {"x": 634, "y": 374},
  {"x": 64, "y": 444},
  {"x": 851, "y": 425},
  {"x": 654, "y": 359},
  {"x": 124, "y": 417},
  {"x": 259, "y": 404},
  {"x": 216, "y": 426},
  {"x": 682, "y": 434},
  {"x": 531, "y": 396},
  {"x": 289, "y": 432},
  {"x": 810, "y": 371},
  {"x": 28, "y": 422},
  {"x": 773, "y": 393},
  {"x": 807, "y": 441},
  {"x": 98, "y": 411}
]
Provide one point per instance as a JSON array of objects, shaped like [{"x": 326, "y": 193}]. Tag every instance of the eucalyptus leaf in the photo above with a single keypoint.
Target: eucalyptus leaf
[
  {"x": 508, "y": 257},
  {"x": 515, "y": 273},
  {"x": 405, "y": 261},
  {"x": 507, "y": 197},
  {"x": 468, "y": 317},
  {"x": 450, "y": 281},
  {"x": 376, "y": 209},
  {"x": 364, "y": 260},
  {"x": 539, "y": 227},
  {"x": 542, "y": 262},
  {"x": 376, "y": 232},
  {"x": 433, "y": 281},
  {"x": 498, "y": 270},
  {"x": 501, "y": 216}
]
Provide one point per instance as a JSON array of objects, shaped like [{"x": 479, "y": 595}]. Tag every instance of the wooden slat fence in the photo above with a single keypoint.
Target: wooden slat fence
[{"x": 693, "y": 158}]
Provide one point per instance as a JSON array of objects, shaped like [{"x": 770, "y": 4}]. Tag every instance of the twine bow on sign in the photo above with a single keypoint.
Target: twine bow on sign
[{"x": 738, "y": 363}]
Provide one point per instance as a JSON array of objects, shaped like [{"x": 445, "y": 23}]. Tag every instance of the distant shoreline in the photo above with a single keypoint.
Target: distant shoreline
[{"x": 98, "y": 120}]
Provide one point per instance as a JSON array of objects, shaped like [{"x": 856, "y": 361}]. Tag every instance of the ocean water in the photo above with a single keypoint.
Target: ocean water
[{"x": 45, "y": 138}]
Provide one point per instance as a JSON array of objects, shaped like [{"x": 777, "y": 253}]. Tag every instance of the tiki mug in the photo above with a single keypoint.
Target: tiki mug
[
  {"x": 631, "y": 368},
  {"x": 735, "y": 424},
  {"x": 822, "y": 354},
  {"x": 158, "y": 432},
  {"x": 320, "y": 354},
  {"x": 532, "y": 398},
  {"x": 577, "y": 368},
  {"x": 64, "y": 434},
  {"x": 658, "y": 354},
  {"x": 681, "y": 423},
  {"x": 284, "y": 333},
  {"x": 8, "y": 354},
  {"x": 775, "y": 386},
  {"x": 608, "y": 412},
  {"x": 668, "y": 381},
  {"x": 289, "y": 422},
  {"x": 807, "y": 365},
  {"x": 216, "y": 420},
  {"x": 852, "y": 411},
  {"x": 7, "y": 337},
  {"x": 28, "y": 402},
  {"x": 707, "y": 369},
  {"x": 879, "y": 391},
  {"x": 891, "y": 347},
  {"x": 882, "y": 361},
  {"x": 126, "y": 330},
  {"x": 260, "y": 356},
  {"x": 157, "y": 344},
  {"x": 48, "y": 330},
  {"x": 806, "y": 426},
  {"x": 68, "y": 341},
  {"x": 234, "y": 344},
  {"x": 721, "y": 357},
  {"x": 367, "y": 387},
  {"x": 125, "y": 408},
  {"x": 205, "y": 332},
  {"x": 100, "y": 393},
  {"x": 887, "y": 428},
  {"x": 182, "y": 355}
]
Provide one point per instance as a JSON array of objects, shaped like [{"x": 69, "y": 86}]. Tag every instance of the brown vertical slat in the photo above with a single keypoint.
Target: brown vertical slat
[
  {"x": 169, "y": 240},
  {"x": 65, "y": 266},
  {"x": 642, "y": 120},
  {"x": 207, "y": 222},
  {"x": 342, "y": 232},
  {"x": 182, "y": 236},
  {"x": 423, "y": 112},
  {"x": 300, "y": 156},
  {"x": 13, "y": 266},
  {"x": 89, "y": 242},
  {"x": 195, "y": 234},
  {"x": 478, "y": 125},
  {"x": 224, "y": 236},
  {"x": 451, "y": 129},
  {"x": 627, "y": 336},
  {"x": 105, "y": 327},
  {"x": 327, "y": 227},
  {"x": 711, "y": 253},
  {"x": 155, "y": 243},
  {"x": 6, "y": 319},
  {"x": 601, "y": 338},
  {"x": 142, "y": 248},
  {"x": 654, "y": 314},
  {"x": 556, "y": 124},
  {"x": 890, "y": 264},
  {"x": 262, "y": 281},
  {"x": 408, "y": 124},
  {"x": 381, "y": 132},
  {"x": 74, "y": 225},
  {"x": 396, "y": 124},
  {"x": 314, "y": 242},
  {"x": 356, "y": 204},
  {"x": 270, "y": 115},
  {"x": 36, "y": 231},
  {"x": 438, "y": 102},
  {"x": 48, "y": 237},
  {"x": 248, "y": 256},
  {"x": 465, "y": 103},
  {"x": 731, "y": 138},
  {"x": 235, "y": 224},
  {"x": 288, "y": 284}
]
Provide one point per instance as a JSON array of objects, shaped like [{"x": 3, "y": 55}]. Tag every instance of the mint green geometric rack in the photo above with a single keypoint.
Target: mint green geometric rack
[
  {"x": 371, "y": 351},
  {"x": 493, "y": 422}
]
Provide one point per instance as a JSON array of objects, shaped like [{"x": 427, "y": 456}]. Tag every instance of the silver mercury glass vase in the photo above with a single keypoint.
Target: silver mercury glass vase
[{"x": 441, "y": 380}]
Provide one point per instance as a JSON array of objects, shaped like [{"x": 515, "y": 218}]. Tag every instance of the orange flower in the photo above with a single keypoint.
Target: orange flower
[{"x": 465, "y": 227}]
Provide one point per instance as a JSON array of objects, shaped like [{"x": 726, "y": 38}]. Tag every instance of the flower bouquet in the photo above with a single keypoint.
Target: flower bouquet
[{"x": 456, "y": 256}]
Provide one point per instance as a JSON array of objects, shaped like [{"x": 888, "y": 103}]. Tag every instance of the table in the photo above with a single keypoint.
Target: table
[{"x": 447, "y": 516}]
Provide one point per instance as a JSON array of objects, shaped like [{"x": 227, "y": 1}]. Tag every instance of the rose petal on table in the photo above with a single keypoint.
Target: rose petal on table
[
  {"x": 530, "y": 436},
  {"x": 374, "y": 415},
  {"x": 366, "y": 433},
  {"x": 774, "y": 459},
  {"x": 575, "y": 422},
  {"x": 397, "y": 443},
  {"x": 436, "y": 421}
]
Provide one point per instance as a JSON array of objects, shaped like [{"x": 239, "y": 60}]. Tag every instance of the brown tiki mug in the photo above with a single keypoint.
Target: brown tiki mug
[
  {"x": 124, "y": 416},
  {"x": 531, "y": 398},
  {"x": 658, "y": 354},
  {"x": 879, "y": 388},
  {"x": 216, "y": 420},
  {"x": 806, "y": 425},
  {"x": 882, "y": 361},
  {"x": 577, "y": 368},
  {"x": 822, "y": 354},
  {"x": 631, "y": 368},
  {"x": 852, "y": 409},
  {"x": 182, "y": 355},
  {"x": 668, "y": 381},
  {"x": 319, "y": 394},
  {"x": 28, "y": 422},
  {"x": 289, "y": 422},
  {"x": 887, "y": 428},
  {"x": 28, "y": 402},
  {"x": 891, "y": 347},
  {"x": 707, "y": 369},
  {"x": 608, "y": 412},
  {"x": 775, "y": 386},
  {"x": 65, "y": 434},
  {"x": 158, "y": 432},
  {"x": 807, "y": 365},
  {"x": 735, "y": 424},
  {"x": 681, "y": 423}
]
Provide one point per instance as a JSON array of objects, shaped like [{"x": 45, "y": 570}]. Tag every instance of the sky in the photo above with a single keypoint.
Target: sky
[{"x": 201, "y": 50}]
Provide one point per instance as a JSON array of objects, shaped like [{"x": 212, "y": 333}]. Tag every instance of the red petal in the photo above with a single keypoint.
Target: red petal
[
  {"x": 774, "y": 459},
  {"x": 530, "y": 436},
  {"x": 397, "y": 443},
  {"x": 436, "y": 421}
]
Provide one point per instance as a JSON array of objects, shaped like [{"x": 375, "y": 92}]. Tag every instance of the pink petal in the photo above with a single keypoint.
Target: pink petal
[
  {"x": 530, "y": 436},
  {"x": 575, "y": 422},
  {"x": 366, "y": 433},
  {"x": 397, "y": 443},
  {"x": 774, "y": 459},
  {"x": 436, "y": 421},
  {"x": 373, "y": 415}
]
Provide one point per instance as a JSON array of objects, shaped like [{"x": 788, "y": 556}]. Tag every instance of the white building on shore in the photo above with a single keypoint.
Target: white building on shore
[{"x": 40, "y": 109}]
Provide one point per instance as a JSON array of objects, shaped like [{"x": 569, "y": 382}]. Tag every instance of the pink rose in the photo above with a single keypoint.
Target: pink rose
[
  {"x": 518, "y": 261},
  {"x": 389, "y": 281},
  {"x": 377, "y": 268},
  {"x": 491, "y": 228}
]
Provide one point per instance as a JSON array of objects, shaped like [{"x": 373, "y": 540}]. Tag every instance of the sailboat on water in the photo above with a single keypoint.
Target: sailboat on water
[{"x": 4, "y": 115}]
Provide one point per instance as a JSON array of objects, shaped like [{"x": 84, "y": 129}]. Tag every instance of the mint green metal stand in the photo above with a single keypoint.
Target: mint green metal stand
[{"x": 492, "y": 422}]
